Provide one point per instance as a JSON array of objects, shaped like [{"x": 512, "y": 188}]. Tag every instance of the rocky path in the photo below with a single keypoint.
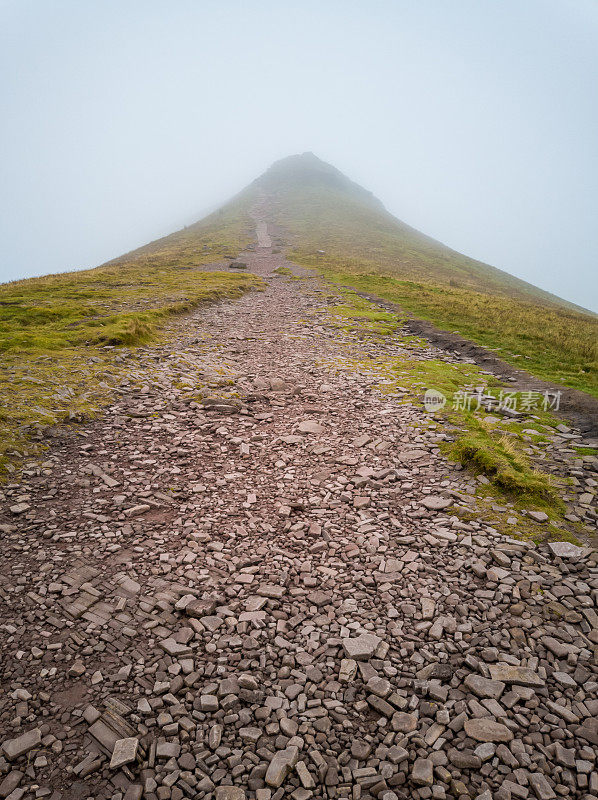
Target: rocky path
[{"x": 246, "y": 580}]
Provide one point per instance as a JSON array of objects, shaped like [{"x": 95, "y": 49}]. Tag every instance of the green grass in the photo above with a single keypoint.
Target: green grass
[
  {"x": 57, "y": 332},
  {"x": 357, "y": 314},
  {"x": 107, "y": 305},
  {"x": 524, "y": 527},
  {"x": 356, "y": 234},
  {"x": 494, "y": 450},
  {"x": 586, "y": 451},
  {"x": 496, "y": 457},
  {"x": 123, "y": 301}
]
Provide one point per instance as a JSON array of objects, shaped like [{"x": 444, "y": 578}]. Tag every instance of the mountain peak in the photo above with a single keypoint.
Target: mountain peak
[{"x": 305, "y": 171}]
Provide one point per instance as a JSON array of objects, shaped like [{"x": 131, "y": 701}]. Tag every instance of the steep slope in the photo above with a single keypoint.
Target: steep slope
[
  {"x": 331, "y": 221},
  {"x": 323, "y": 210}
]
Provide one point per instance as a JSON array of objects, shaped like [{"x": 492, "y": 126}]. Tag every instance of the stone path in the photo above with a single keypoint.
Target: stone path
[
  {"x": 246, "y": 580},
  {"x": 263, "y": 237}
]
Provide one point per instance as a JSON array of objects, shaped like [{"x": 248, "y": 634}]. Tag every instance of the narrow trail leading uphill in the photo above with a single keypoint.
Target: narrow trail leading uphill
[{"x": 264, "y": 590}]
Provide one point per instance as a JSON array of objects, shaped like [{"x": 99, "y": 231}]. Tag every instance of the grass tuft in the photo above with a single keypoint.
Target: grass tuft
[{"x": 498, "y": 459}]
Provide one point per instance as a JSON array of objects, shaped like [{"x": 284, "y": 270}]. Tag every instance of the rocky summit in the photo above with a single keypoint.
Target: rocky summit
[{"x": 255, "y": 574}]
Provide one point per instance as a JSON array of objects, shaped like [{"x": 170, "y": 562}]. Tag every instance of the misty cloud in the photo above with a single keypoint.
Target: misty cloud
[{"x": 474, "y": 122}]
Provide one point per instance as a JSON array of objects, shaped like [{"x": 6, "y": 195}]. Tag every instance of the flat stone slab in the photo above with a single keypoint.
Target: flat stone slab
[
  {"x": 272, "y": 591},
  {"x": 281, "y": 765},
  {"x": 174, "y": 648},
  {"x": 538, "y": 516},
  {"x": 435, "y": 502},
  {"x": 348, "y": 670},
  {"x": 11, "y": 782},
  {"x": 403, "y": 722},
  {"x": 14, "y": 748},
  {"x": 422, "y": 773},
  {"x": 319, "y": 598},
  {"x": 566, "y": 550},
  {"x": 412, "y": 455},
  {"x": 230, "y": 793},
  {"x": 307, "y": 426},
  {"x": 199, "y": 607},
  {"x": 361, "y": 648},
  {"x": 484, "y": 687},
  {"x": 542, "y": 789},
  {"x": 487, "y": 730},
  {"x": 520, "y": 675},
  {"x": 125, "y": 752}
]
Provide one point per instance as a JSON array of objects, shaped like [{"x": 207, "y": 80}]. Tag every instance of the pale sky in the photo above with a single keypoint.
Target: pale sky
[{"x": 475, "y": 121}]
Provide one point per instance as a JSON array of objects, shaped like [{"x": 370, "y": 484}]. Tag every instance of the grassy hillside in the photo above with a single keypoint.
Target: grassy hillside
[
  {"x": 365, "y": 247},
  {"x": 552, "y": 343},
  {"x": 57, "y": 332},
  {"x": 321, "y": 209}
]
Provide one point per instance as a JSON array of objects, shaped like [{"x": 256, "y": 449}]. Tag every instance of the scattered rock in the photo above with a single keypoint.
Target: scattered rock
[{"x": 208, "y": 593}]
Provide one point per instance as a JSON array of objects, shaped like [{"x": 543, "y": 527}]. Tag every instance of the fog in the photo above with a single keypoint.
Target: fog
[{"x": 474, "y": 121}]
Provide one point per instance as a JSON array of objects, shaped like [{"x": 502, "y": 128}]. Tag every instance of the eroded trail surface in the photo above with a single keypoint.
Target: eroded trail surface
[{"x": 247, "y": 580}]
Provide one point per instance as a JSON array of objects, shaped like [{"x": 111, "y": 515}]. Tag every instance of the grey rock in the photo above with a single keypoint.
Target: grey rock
[
  {"x": 484, "y": 687},
  {"x": 125, "y": 752},
  {"x": 422, "y": 772},
  {"x": 11, "y": 782},
  {"x": 436, "y": 502},
  {"x": 402, "y": 722},
  {"x": 308, "y": 426},
  {"x": 518, "y": 675},
  {"x": 14, "y": 748},
  {"x": 361, "y": 648},
  {"x": 224, "y": 792},
  {"x": 566, "y": 550},
  {"x": 348, "y": 670},
  {"x": 281, "y": 765},
  {"x": 540, "y": 786},
  {"x": 538, "y": 516},
  {"x": 486, "y": 729}
]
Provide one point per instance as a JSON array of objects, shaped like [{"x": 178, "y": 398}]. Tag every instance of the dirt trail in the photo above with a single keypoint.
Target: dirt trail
[{"x": 255, "y": 576}]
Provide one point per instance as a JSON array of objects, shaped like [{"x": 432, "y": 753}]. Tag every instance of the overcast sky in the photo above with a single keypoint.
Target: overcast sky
[{"x": 476, "y": 121}]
